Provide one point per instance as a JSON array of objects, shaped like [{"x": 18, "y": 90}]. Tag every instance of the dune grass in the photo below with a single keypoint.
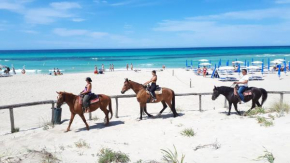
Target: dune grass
[
  {"x": 267, "y": 156},
  {"x": 256, "y": 111},
  {"x": 264, "y": 122},
  {"x": 280, "y": 109},
  {"x": 82, "y": 144},
  {"x": 107, "y": 155},
  {"x": 188, "y": 132},
  {"x": 172, "y": 156}
]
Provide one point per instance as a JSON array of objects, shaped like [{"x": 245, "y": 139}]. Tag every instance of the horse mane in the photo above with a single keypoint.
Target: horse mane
[
  {"x": 224, "y": 89},
  {"x": 69, "y": 94},
  {"x": 135, "y": 82}
]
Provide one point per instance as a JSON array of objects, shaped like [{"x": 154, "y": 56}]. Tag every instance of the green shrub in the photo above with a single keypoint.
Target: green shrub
[
  {"x": 188, "y": 132},
  {"x": 107, "y": 155}
]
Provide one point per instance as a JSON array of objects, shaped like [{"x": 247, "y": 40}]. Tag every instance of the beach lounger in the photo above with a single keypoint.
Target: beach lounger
[
  {"x": 256, "y": 78},
  {"x": 228, "y": 79}
]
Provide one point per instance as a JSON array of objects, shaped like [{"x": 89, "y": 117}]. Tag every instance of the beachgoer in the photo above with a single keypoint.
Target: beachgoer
[
  {"x": 86, "y": 93},
  {"x": 110, "y": 67},
  {"x": 243, "y": 85},
  {"x": 153, "y": 81},
  {"x": 13, "y": 69},
  {"x": 204, "y": 71},
  {"x": 23, "y": 70},
  {"x": 103, "y": 68},
  {"x": 131, "y": 66},
  {"x": 57, "y": 71},
  {"x": 163, "y": 67},
  {"x": 96, "y": 70},
  {"x": 54, "y": 72},
  {"x": 113, "y": 67},
  {"x": 127, "y": 66}
]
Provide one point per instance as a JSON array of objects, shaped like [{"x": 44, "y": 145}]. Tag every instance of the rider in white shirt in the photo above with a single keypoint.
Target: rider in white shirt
[{"x": 243, "y": 84}]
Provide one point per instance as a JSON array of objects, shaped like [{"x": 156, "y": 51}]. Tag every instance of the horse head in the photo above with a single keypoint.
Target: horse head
[
  {"x": 215, "y": 93},
  {"x": 60, "y": 99},
  {"x": 126, "y": 86}
]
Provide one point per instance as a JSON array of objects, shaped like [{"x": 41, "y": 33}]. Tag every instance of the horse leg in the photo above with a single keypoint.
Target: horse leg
[
  {"x": 70, "y": 121},
  {"x": 236, "y": 108},
  {"x": 145, "y": 109},
  {"x": 142, "y": 106},
  {"x": 253, "y": 106},
  {"x": 84, "y": 120},
  {"x": 172, "y": 109},
  {"x": 164, "y": 107},
  {"x": 258, "y": 104},
  {"x": 230, "y": 108},
  {"x": 106, "y": 112}
]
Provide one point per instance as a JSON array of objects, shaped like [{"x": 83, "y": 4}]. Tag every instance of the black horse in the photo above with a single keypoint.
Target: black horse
[{"x": 228, "y": 92}]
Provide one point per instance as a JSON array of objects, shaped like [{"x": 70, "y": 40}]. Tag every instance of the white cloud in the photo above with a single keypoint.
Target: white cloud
[
  {"x": 15, "y": 7},
  {"x": 29, "y": 31},
  {"x": 65, "y": 5},
  {"x": 122, "y": 3},
  {"x": 98, "y": 34},
  {"x": 282, "y": 1},
  {"x": 45, "y": 15},
  {"x": 66, "y": 32},
  {"x": 78, "y": 19}
]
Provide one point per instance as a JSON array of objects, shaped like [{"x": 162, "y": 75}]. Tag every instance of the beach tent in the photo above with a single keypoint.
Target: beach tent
[{"x": 203, "y": 60}]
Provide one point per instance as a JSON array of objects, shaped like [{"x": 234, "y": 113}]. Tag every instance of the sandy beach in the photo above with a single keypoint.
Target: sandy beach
[{"x": 241, "y": 139}]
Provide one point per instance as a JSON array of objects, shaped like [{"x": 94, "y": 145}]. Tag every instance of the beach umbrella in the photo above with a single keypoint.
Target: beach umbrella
[
  {"x": 238, "y": 62},
  {"x": 186, "y": 63},
  {"x": 268, "y": 63},
  {"x": 252, "y": 60},
  {"x": 285, "y": 69},
  {"x": 198, "y": 65},
  {"x": 276, "y": 62},
  {"x": 220, "y": 63},
  {"x": 289, "y": 66},
  {"x": 215, "y": 65},
  {"x": 191, "y": 62},
  {"x": 227, "y": 68},
  {"x": 279, "y": 60},
  {"x": 257, "y": 62},
  {"x": 245, "y": 63},
  {"x": 239, "y": 69},
  {"x": 279, "y": 71},
  {"x": 262, "y": 70},
  {"x": 203, "y": 60},
  {"x": 248, "y": 64},
  {"x": 205, "y": 64},
  {"x": 227, "y": 63}
]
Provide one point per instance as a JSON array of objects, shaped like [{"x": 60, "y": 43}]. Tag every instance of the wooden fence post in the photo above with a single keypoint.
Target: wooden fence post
[
  {"x": 116, "y": 114},
  {"x": 11, "y": 119},
  {"x": 90, "y": 115},
  {"x": 190, "y": 83},
  {"x": 200, "y": 103},
  {"x": 225, "y": 104},
  {"x": 281, "y": 98},
  {"x": 52, "y": 112}
]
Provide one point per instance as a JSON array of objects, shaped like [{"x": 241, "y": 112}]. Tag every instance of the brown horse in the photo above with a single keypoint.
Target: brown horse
[
  {"x": 75, "y": 108},
  {"x": 167, "y": 97}
]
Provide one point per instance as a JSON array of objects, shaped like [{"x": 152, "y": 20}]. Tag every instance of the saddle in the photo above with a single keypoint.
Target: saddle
[
  {"x": 247, "y": 93},
  {"x": 158, "y": 90},
  {"x": 93, "y": 99}
]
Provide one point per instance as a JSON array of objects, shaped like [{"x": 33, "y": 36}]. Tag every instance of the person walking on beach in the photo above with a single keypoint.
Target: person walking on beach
[
  {"x": 242, "y": 85},
  {"x": 86, "y": 93},
  {"x": 103, "y": 68},
  {"x": 113, "y": 67},
  {"x": 131, "y": 66},
  {"x": 110, "y": 67},
  {"x": 153, "y": 81},
  {"x": 204, "y": 71},
  {"x": 127, "y": 66}
]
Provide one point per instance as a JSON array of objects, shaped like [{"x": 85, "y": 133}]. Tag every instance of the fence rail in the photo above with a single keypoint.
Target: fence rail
[{"x": 116, "y": 97}]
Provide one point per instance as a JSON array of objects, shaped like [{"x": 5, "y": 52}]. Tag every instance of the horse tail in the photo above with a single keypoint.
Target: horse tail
[
  {"x": 173, "y": 100},
  {"x": 264, "y": 95},
  {"x": 110, "y": 107}
]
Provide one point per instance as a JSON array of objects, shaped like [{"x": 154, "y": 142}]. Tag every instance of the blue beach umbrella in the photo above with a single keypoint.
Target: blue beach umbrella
[
  {"x": 191, "y": 62},
  {"x": 262, "y": 70},
  {"x": 285, "y": 69},
  {"x": 279, "y": 71},
  {"x": 198, "y": 65},
  {"x": 186, "y": 63},
  {"x": 289, "y": 65},
  {"x": 252, "y": 60},
  {"x": 268, "y": 63},
  {"x": 228, "y": 63},
  {"x": 220, "y": 63},
  {"x": 245, "y": 63},
  {"x": 248, "y": 64},
  {"x": 239, "y": 69}
]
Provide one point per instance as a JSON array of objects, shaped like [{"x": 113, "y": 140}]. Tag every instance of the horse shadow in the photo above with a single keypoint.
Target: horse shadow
[
  {"x": 166, "y": 116},
  {"x": 233, "y": 112},
  {"x": 102, "y": 125}
]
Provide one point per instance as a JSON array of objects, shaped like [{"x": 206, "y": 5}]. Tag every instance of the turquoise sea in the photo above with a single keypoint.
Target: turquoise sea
[{"x": 84, "y": 60}]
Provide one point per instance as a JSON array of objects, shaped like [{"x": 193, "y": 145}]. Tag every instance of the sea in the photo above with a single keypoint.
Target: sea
[{"x": 85, "y": 60}]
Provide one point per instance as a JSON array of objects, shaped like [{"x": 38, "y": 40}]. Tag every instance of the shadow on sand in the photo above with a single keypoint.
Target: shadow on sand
[
  {"x": 102, "y": 125},
  {"x": 232, "y": 112}
]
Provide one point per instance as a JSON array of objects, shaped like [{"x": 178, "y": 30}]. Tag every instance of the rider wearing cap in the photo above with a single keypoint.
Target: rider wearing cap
[{"x": 87, "y": 94}]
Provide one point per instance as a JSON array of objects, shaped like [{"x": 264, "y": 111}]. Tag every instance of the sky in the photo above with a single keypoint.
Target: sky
[{"x": 103, "y": 24}]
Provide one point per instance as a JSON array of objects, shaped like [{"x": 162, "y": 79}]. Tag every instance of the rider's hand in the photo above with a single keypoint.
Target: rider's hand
[{"x": 235, "y": 82}]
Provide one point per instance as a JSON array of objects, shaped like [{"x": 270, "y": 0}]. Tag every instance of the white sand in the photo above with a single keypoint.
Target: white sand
[{"x": 242, "y": 139}]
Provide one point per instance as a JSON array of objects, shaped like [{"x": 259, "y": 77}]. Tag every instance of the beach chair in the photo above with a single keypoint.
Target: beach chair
[{"x": 256, "y": 78}]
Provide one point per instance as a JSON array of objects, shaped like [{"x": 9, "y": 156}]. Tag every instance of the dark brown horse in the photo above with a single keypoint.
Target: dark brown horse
[
  {"x": 75, "y": 108},
  {"x": 167, "y": 97}
]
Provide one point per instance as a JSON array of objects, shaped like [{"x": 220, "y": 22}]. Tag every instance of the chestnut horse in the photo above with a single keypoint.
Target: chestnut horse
[
  {"x": 167, "y": 97},
  {"x": 75, "y": 108}
]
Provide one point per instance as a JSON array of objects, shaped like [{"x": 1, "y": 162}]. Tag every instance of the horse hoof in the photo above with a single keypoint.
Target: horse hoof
[
  {"x": 158, "y": 115},
  {"x": 228, "y": 114}
]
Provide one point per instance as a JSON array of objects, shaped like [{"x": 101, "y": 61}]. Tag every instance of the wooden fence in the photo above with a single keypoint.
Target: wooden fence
[{"x": 116, "y": 97}]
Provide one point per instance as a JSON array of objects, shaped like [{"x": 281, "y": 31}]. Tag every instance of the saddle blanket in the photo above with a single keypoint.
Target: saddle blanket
[
  {"x": 247, "y": 93},
  {"x": 158, "y": 91},
  {"x": 93, "y": 99}
]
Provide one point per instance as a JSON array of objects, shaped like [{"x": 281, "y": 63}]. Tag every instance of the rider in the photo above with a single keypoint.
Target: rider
[
  {"x": 87, "y": 94},
  {"x": 243, "y": 84},
  {"x": 153, "y": 80}
]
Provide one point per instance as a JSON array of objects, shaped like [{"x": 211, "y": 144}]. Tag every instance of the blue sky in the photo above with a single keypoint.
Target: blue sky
[{"x": 49, "y": 24}]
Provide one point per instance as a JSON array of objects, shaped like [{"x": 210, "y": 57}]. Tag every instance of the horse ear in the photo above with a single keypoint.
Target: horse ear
[
  {"x": 126, "y": 79},
  {"x": 214, "y": 87},
  {"x": 57, "y": 92}
]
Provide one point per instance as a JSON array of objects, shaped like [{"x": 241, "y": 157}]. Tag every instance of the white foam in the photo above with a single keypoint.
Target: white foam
[
  {"x": 6, "y": 60},
  {"x": 94, "y": 58},
  {"x": 55, "y": 70}
]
